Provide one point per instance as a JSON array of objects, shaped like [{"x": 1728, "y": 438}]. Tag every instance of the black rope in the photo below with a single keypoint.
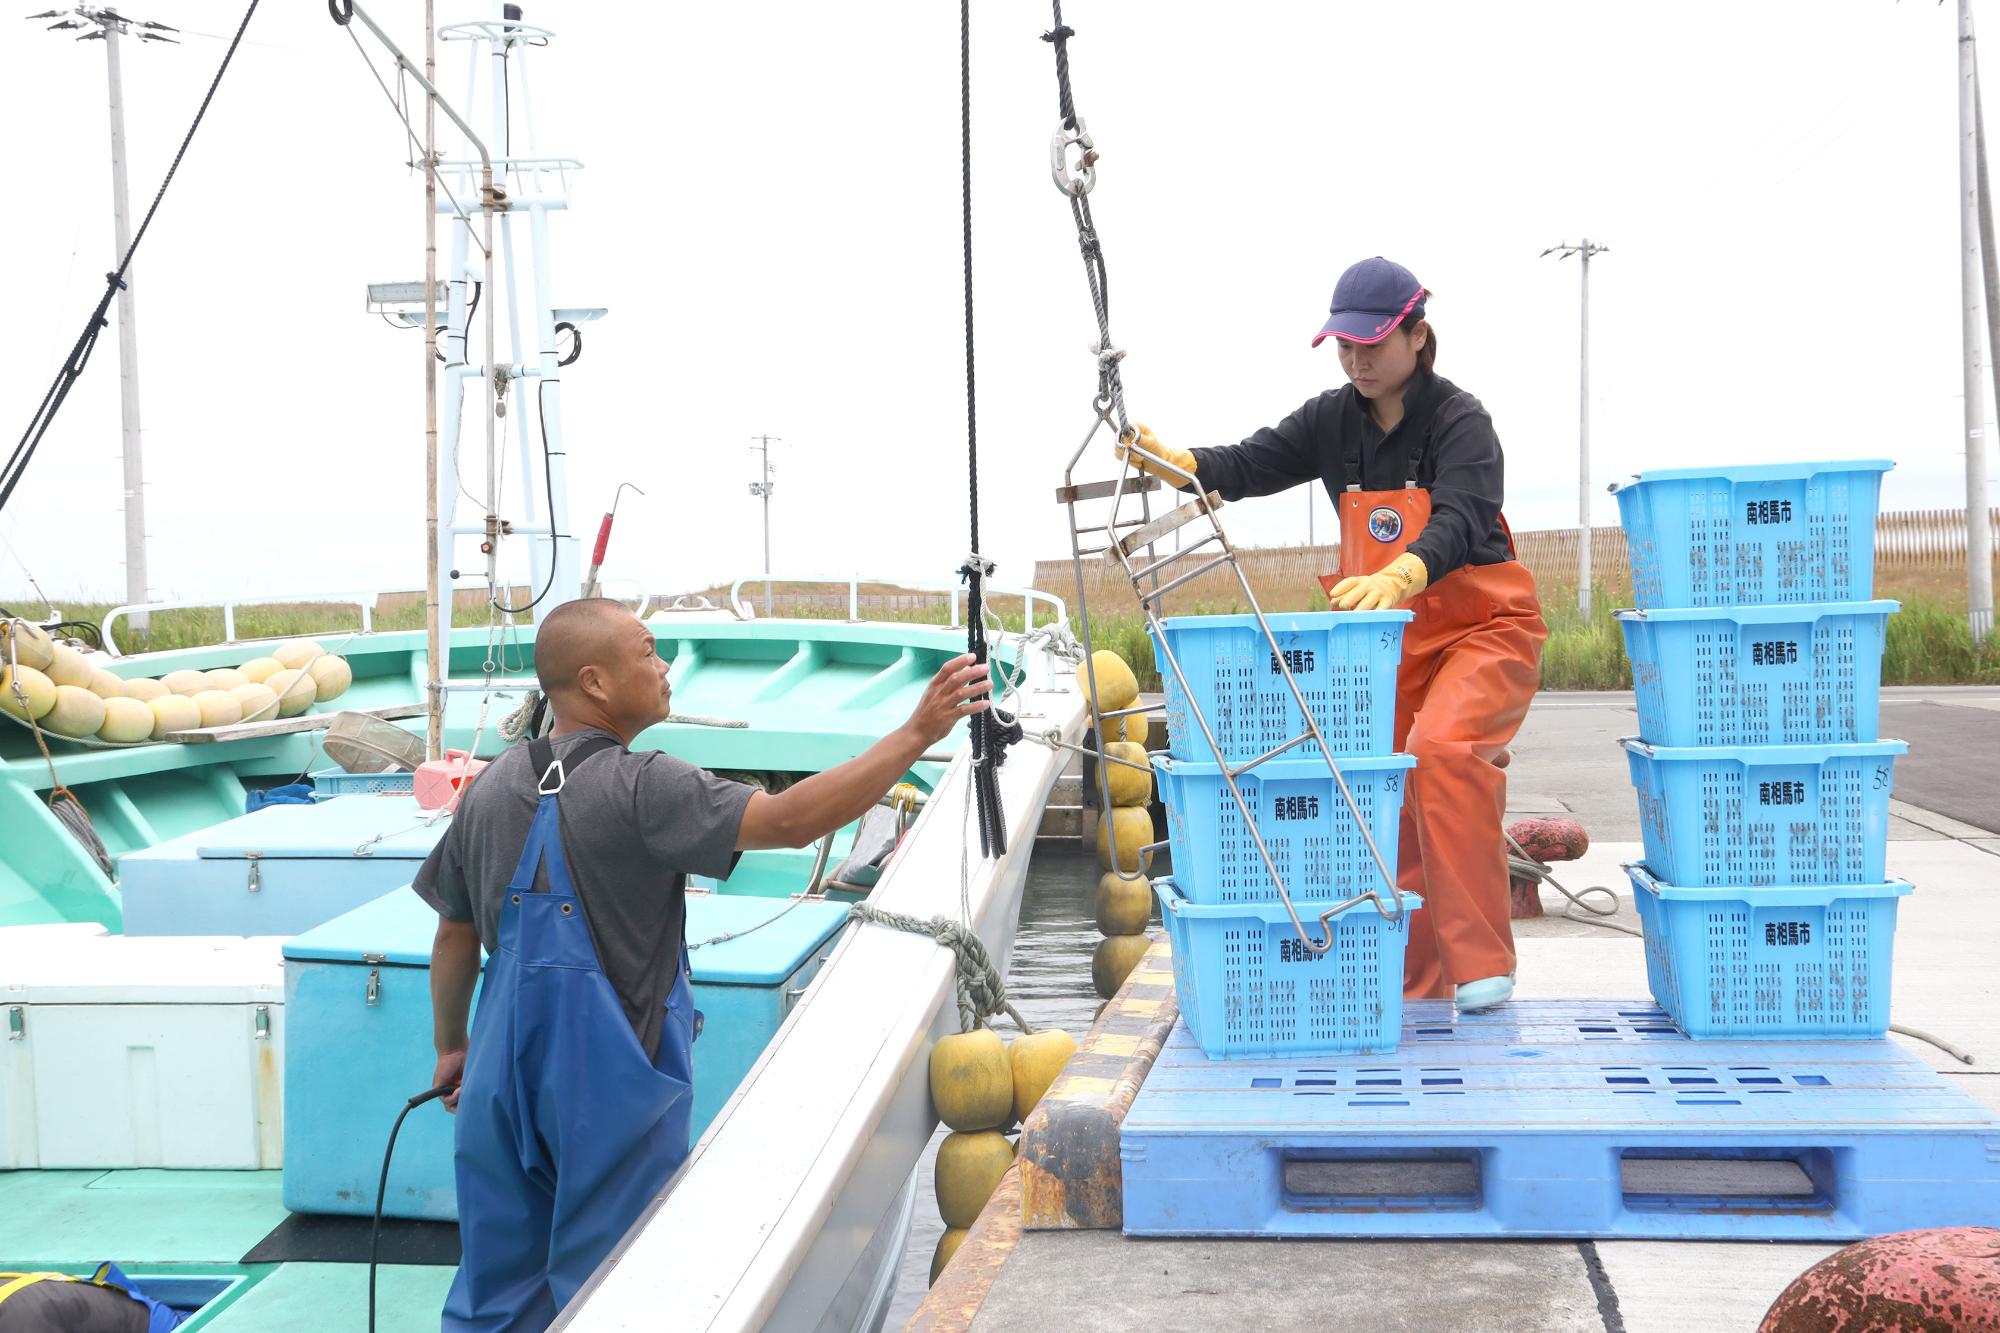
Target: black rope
[
  {"x": 86, "y": 342},
  {"x": 992, "y": 730}
]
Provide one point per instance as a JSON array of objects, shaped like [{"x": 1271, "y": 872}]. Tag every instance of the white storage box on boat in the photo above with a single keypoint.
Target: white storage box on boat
[{"x": 129, "y": 1052}]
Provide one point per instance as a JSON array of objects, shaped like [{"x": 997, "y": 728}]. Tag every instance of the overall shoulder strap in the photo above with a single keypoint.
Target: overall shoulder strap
[
  {"x": 550, "y": 774},
  {"x": 1423, "y": 449}
]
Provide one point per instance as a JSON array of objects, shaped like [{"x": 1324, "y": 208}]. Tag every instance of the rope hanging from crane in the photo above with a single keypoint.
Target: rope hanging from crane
[{"x": 993, "y": 730}]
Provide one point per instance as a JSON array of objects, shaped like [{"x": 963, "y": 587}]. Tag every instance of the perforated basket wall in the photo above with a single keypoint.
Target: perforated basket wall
[
  {"x": 1753, "y": 536},
  {"x": 1248, "y": 985},
  {"x": 1311, "y": 834},
  {"x": 1765, "y": 814},
  {"x": 1758, "y": 675},
  {"x": 1804, "y": 961},
  {"x": 1344, "y": 662},
  {"x": 339, "y": 782}
]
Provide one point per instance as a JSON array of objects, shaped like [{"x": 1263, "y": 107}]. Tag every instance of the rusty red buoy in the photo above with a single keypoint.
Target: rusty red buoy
[
  {"x": 1547, "y": 840},
  {"x": 1944, "y": 1280}
]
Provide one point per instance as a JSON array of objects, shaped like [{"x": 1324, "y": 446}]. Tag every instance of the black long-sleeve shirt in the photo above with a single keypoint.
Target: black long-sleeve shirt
[{"x": 1457, "y": 459}]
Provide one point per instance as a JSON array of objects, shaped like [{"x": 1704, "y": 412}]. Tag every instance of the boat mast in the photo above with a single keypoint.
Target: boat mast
[{"x": 433, "y": 627}]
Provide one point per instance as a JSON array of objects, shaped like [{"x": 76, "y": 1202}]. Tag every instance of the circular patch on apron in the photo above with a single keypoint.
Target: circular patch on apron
[{"x": 1385, "y": 523}]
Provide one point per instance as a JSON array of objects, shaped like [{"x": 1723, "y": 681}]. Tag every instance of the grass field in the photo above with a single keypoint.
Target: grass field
[{"x": 1929, "y": 643}]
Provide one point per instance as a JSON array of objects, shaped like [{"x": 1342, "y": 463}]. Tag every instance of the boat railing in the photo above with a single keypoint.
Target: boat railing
[{"x": 953, "y": 592}]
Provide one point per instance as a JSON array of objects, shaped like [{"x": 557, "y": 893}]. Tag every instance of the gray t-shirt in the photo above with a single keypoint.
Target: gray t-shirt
[{"x": 635, "y": 825}]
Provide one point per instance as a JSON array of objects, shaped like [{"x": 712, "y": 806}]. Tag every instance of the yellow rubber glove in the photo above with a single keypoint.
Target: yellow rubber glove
[
  {"x": 1145, "y": 443},
  {"x": 1399, "y": 581}
]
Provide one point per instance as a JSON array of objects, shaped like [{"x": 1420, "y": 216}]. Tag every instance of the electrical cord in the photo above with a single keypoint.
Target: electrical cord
[
  {"x": 548, "y": 484},
  {"x": 382, "y": 1188}
]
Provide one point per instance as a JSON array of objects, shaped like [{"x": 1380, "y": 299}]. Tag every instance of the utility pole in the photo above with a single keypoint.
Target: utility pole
[
  {"x": 763, "y": 489},
  {"x": 1584, "y": 251},
  {"x": 1978, "y": 531},
  {"x": 111, "y": 28}
]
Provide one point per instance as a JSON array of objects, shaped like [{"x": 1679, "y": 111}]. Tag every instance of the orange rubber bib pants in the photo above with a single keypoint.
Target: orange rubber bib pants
[{"x": 1471, "y": 661}]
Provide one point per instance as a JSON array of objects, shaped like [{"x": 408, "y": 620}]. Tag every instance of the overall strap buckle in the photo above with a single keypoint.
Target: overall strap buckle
[{"x": 543, "y": 756}]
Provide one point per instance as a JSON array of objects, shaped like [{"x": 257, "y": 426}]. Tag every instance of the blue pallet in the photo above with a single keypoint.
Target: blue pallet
[
  {"x": 1752, "y": 536},
  {"x": 1305, "y": 822},
  {"x": 1248, "y": 985},
  {"x": 1758, "y": 675},
  {"x": 1716, "y": 816},
  {"x": 1344, "y": 663},
  {"x": 1560, "y": 1118},
  {"x": 1804, "y": 961}
]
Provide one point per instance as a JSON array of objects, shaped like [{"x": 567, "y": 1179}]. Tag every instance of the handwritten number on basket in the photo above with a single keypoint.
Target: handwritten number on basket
[{"x": 1881, "y": 777}]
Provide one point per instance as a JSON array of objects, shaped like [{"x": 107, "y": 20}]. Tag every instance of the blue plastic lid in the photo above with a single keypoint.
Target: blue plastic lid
[
  {"x": 771, "y": 937},
  {"x": 1291, "y": 622},
  {"x": 1791, "y": 895},
  {"x": 1777, "y": 613},
  {"x": 1765, "y": 754},
  {"x": 1760, "y": 471},
  {"x": 330, "y": 830}
]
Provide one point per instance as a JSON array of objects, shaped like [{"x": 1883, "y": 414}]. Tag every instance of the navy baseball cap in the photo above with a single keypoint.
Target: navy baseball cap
[{"x": 1370, "y": 300}]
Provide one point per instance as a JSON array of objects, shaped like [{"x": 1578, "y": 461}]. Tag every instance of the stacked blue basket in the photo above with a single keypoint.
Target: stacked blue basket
[
  {"x": 1246, "y": 981},
  {"x": 1763, "y": 789}
]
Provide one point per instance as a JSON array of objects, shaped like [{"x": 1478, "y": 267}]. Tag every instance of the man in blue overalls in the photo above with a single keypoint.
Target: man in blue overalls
[{"x": 568, "y": 861}]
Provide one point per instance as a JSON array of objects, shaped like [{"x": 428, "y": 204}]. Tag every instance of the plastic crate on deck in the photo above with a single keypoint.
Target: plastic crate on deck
[
  {"x": 1765, "y": 814},
  {"x": 1805, "y": 961},
  {"x": 1344, "y": 662},
  {"x": 1311, "y": 834},
  {"x": 1248, "y": 985},
  {"x": 1808, "y": 674},
  {"x": 340, "y": 782},
  {"x": 1752, "y": 536}
]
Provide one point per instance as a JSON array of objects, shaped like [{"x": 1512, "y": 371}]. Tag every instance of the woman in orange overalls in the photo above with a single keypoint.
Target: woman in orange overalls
[{"x": 1415, "y": 469}]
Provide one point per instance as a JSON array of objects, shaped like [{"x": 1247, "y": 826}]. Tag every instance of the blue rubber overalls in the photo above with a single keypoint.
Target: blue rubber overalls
[{"x": 566, "y": 1131}]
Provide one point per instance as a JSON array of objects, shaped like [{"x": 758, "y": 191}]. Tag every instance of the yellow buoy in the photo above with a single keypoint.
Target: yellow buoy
[
  {"x": 173, "y": 712},
  {"x": 189, "y": 683},
  {"x": 225, "y": 678},
  {"x": 260, "y": 702},
  {"x": 1134, "y": 728},
  {"x": 78, "y": 712},
  {"x": 969, "y": 1167},
  {"x": 947, "y": 1246},
  {"x": 1129, "y": 786},
  {"x": 219, "y": 708},
  {"x": 105, "y": 684},
  {"x": 68, "y": 667},
  {"x": 30, "y": 645},
  {"x": 125, "y": 721},
  {"x": 295, "y": 691},
  {"x": 39, "y": 689},
  {"x": 296, "y": 653},
  {"x": 145, "y": 689},
  {"x": 331, "y": 676},
  {"x": 260, "y": 669},
  {"x": 1114, "y": 960},
  {"x": 1124, "y": 906},
  {"x": 972, "y": 1085},
  {"x": 1037, "y": 1058},
  {"x": 1117, "y": 687},
  {"x": 1134, "y": 826}
]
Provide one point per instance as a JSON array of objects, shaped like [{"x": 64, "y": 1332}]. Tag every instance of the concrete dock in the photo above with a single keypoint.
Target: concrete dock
[{"x": 1944, "y": 837}]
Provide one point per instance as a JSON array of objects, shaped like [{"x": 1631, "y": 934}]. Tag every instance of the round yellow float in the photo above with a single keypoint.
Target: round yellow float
[
  {"x": 145, "y": 689},
  {"x": 1037, "y": 1058},
  {"x": 225, "y": 678},
  {"x": 68, "y": 667},
  {"x": 969, "y": 1167},
  {"x": 173, "y": 712},
  {"x": 972, "y": 1084},
  {"x": 260, "y": 669},
  {"x": 1124, "y": 906},
  {"x": 295, "y": 691},
  {"x": 1129, "y": 785},
  {"x": 295, "y": 653},
  {"x": 331, "y": 676},
  {"x": 39, "y": 689},
  {"x": 260, "y": 702},
  {"x": 30, "y": 645},
  {"x": 1117, "y": 687},
  {"x": 219, "y": 708},
  {"x": 1134, "y": 827},
  {"x": 1114, "y": 960},
  {"x": 125, "y": 721},
  {"x": 947, "y": 1246},
  {"x": 78, "y": 712},
  {"x": 188, "y": 683}
]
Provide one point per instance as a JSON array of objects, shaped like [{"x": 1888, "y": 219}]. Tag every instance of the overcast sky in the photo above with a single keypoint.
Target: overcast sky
[{"x": 770, "y": 211}]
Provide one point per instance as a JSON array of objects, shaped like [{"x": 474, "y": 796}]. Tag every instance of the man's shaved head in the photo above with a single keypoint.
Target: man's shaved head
[{"x": 590, "y": 631}]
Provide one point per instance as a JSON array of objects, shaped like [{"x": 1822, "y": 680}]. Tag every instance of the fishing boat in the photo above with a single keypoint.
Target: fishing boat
[{"x": 217, "y": 1016}]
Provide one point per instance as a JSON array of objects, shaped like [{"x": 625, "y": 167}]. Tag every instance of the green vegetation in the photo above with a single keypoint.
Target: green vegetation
[{"x": 1930, "y": 644}]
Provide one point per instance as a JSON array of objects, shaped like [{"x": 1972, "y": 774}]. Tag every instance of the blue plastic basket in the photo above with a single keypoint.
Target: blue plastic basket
[
  {"x": 1758, "y": 675},
  {"x": 1345, "y": 664},
  {"x": 1311, "y": 834},
  {"x": 1756, "y": 815},
  {"x": 1248, "y": 985},
  {"x": 1808, "y": 961},
  {"x": 339, "y": 782},
  {"x": 1753, "y": 536}
]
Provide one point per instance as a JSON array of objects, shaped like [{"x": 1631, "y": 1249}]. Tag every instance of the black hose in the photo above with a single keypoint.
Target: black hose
[{"x": 382, "y": 1188}]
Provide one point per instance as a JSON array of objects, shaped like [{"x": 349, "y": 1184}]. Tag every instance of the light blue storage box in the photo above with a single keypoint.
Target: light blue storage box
[
  {"x": 279, "y": 870},
  {"x": 358, "y": 1038},
  {"x": 1753, "y": 535}
]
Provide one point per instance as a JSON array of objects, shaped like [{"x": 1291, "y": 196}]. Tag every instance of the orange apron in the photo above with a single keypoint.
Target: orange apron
[{"x": 1471, "y": 662}]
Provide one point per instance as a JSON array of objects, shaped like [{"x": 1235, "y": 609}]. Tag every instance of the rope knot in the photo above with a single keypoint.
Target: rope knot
[{"x": 1059, "y": 34}]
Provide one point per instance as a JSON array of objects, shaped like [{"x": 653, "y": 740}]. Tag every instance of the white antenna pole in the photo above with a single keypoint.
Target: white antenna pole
[
  {"x": 128, "y": 334},
  {"x": 1978, "y": 532},
  {"x": 434, "y": 621},
  {"x": 763, "y": 488},
  {"x": 1584, "y": 251}
]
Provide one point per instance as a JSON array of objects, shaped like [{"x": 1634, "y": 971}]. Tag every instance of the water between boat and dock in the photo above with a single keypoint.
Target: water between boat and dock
[{"x": 1049, "y": 982}]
